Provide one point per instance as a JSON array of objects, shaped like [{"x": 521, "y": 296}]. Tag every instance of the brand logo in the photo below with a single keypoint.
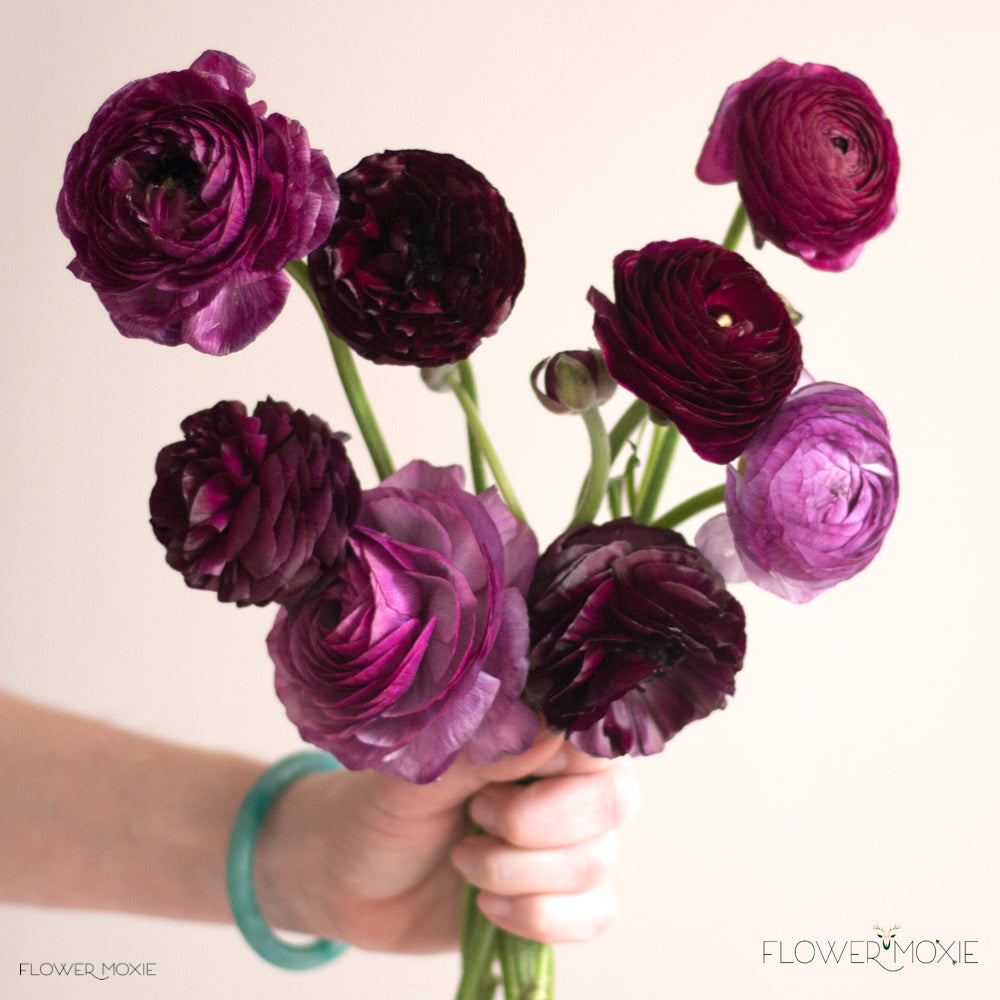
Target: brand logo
[
  {"x": 886, "y": 935},
  {"x": 888, "y": 952},
  {"x": 87, "y": 970}
]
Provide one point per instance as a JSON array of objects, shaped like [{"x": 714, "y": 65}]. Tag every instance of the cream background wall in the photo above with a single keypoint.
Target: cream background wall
[{"x": 853, "y": 779}]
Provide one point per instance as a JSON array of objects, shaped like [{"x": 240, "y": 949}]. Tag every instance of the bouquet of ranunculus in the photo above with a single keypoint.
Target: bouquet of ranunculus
[{"x": 416, "y": 619}]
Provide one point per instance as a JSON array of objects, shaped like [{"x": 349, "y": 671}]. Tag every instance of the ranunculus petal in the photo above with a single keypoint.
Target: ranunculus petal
[{"x": 714, "y": 540}]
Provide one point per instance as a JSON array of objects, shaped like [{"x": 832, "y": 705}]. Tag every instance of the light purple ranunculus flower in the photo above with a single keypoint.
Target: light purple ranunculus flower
[
  {"x": 418, "y": 650},
  {"x": 814, "y": 157},
  {"x": 812, "y": 499},
  {"x": 184, "y": 202}
]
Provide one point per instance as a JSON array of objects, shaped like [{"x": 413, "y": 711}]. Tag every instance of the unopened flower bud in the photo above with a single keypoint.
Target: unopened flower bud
[
  {"x": 573, "y": 381},
  {"x": 436, "y": 379}
]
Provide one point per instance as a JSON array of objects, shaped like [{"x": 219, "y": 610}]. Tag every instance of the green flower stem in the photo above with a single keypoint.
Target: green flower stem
[
  {"x": 477, "y": 429},
  {"x": 616, "y": 488},
  {"x": 600, "y": 464},
  {"x": 661, "y": 453},
  {"x": 626, "y": 424},
  {"x": 630, "y": 490},
  {"x": 693, "y": 505},
  {"x": 343, "y": 358},
  {"x": 511, "y": 969},
  {"x": 476, "y": 465},
  {"x": 736, "y": 227},
  {"x": 527, "y": 967},
  {"x": 545, "y": 974},
  {"x": 478, "y": 952}
]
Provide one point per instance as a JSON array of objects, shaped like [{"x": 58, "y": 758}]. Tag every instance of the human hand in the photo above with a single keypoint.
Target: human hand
[{"x": 373, "y": 860}]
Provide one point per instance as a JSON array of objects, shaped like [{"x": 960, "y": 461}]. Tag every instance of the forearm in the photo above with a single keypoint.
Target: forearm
[{"x": 95, "y": 817}]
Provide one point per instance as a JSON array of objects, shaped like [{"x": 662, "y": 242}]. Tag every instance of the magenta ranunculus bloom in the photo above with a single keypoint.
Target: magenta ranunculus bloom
[
  {"x": 698, "y": 334},
  {"x": 418, "y": 650},
  {"x": 814, "y": 157},
  {"x": 184, "y": 202},
  {"x": 255, "y": 507},
  {"x": 813, "y": 498},
  {"x": 423, "y": 261},
  {"x": 633, "y": 636}
]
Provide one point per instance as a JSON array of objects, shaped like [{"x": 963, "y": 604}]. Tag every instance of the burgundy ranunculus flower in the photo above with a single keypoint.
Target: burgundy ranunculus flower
[
  {"x": 255, "y": 507},
  {"x": 423, "y": 261},
  {"x": 418, "y": 650},
  {"x": 633, "y": 636},
  {"x": 184, "y": 202},
  {"x": 813, "y": 499},
  {"x": 697, "y": 333},
  {"x": 814, "y": 157}
]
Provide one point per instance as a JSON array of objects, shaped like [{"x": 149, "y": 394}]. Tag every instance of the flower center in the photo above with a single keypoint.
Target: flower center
[
  {"x": 424, "y": 263},
  {"x": 663, "y": 652},
  {"x": 659, "y": 654},
  {"x": 175, "y": 171}
]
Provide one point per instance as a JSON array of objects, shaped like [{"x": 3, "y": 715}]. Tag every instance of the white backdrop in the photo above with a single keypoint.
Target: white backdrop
[{"x": 853, "y": 779}]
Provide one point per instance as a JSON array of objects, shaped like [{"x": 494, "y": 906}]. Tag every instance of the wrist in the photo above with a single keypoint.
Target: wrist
[{"x": 292, "y": 865}]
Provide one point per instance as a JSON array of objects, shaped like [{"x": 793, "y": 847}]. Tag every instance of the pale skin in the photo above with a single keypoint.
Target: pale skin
[{"x": 97, "y": 817}]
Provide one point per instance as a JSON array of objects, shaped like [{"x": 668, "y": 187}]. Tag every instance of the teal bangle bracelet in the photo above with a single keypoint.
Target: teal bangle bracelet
[{"x": 240, "y": 864}]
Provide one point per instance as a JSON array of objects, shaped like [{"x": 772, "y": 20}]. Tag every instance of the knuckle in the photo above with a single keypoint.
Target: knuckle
[
  {"x": 492, "y": 874},
  {"x": 538, "y": 917},
  {"x": 515, "y": 822},
  {"x": 597, "y": 861}
]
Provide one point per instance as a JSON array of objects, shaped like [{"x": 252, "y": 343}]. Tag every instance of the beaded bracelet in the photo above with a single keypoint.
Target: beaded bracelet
[{"x": 240, "y": 865}]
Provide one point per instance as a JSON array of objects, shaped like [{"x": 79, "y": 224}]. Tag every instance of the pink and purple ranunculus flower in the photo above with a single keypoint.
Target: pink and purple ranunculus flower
[
  {"x": 814, "y": 157},
  {"x": 812, "y": 498},
  {"x": 183, "y": 202},
  {"x": 418, "y": 649},
  {"x": 697, "y": 334},
  {"x": 256, "y": 507},
  {"x": 633, "y": 636},
  {"x": 423, "y": 261}
]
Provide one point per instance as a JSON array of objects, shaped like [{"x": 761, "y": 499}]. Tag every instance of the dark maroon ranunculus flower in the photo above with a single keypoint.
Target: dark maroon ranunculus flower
[
  {"x": 633, "y": 636},
  {"x": 257, "y": 508},
  {"x": 813, "y": 498},
  {"x": 423, "y": 261},
  {"x": 184, "y": 202},
  {"x": 814, "y": 157},
  {"x": 417, "y": 651},
  {"x": 698, "y": 334}
]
